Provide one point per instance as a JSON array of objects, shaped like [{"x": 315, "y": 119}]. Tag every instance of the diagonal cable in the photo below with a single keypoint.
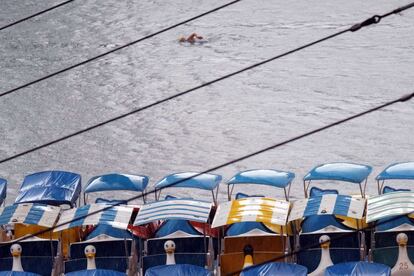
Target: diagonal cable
[
  {"x": 35, "y": 15},
  {"x": 373, "y": 20},
  {"x": 116, "y": 49},
  {"x": 402, "y": 99}
]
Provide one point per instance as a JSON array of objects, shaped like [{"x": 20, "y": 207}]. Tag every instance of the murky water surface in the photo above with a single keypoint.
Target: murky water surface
[{"x": 266, "y": 105}]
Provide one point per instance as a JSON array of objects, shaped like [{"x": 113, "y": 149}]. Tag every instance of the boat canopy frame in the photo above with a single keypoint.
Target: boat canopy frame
[
  {"x": 395, "y": 171},
  {"x": 339, "y": 171},
  {"x": 117, "y": 182},
  {"x": 203, "y": 181},
  {"x": 268, "y": 177}
]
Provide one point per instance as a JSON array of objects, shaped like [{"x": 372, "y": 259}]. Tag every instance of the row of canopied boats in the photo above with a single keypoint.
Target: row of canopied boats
[{"x": 325, "y": 233}]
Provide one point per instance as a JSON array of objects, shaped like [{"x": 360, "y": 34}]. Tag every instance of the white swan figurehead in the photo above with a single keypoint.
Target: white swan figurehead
[
  {"x": 90, "y": 252},
  {"x": 403, "y": 266},
  {"x": 326, "y": 260},
  {"x": 169, "y": 247},
  {"x": 16, "y": 252}
]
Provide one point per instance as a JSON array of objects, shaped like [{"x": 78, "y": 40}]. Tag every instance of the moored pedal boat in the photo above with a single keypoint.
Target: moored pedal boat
[
  {"x": 331, "y": 229},
  {"x": 184, "y": 235},
  {"x": 391, "y": 213},
  {"x": 36, "y": 208},
  {"x": 111, "y": 253},
  {"x": 255, "y": 227}
]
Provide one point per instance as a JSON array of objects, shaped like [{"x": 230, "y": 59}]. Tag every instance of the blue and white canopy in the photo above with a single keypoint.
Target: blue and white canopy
[
  {"x": 390, "y": 205},
  {"x": 328, "y": 204},
  {"x": 29, "y": 213},
  {"x": 115, "y": 181},
  {"x": 203, "y": 181},
  {"x": 3, "y": 189},
  {"x": 274, "y": 178},
  {"x": 174, "y": 209},
  {"x": 349, "y": 172},
  {"x": 94, "y": 214},
  {"x": 50, "y": 187},
  {"x": 398, "y": 171}
]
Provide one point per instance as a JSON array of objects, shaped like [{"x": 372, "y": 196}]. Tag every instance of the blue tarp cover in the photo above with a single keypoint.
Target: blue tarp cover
[
  {"x": 16, "y": 273},
  {"x": 398, "y": 171},
  {"x": 50, "y": 187},
  {"x": 203, "y": 181},
  {"x": 357, "y": 269},
  {"x": 348, "y": 172},
  {"x": 275, "y": 269},
  {"x": 115, "y": 181},
  {"x": 273, "y": 178},
  {"x": 3, "y": 189},
  {"x": 177, "y": 270},
  {"x": 96, "y": 272}
]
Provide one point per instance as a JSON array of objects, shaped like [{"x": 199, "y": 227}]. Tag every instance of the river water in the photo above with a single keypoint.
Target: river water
[{"x": 213, "y": 125}]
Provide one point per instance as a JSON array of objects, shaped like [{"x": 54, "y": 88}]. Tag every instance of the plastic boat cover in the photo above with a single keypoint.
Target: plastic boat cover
[
  {"x": 244, "y": 227},
  {"x": 276, "y": 269},
  {"x": 96, "y": 272},
  {"x": 114, "y": 181},
  {"x": 17, "y": 273},
  {"x": 174, "y": 209},
  {"x": 203, "y": 181},
  {"x": 171, "y": 226},
  {"x": 390, "y": 204},
  {"x": 109, "y": 231},
  {"x": 3, "y": 190},
  {"x": 279, "y": 179},
  {"x": 177, "y": 270},
  {"x": 115, "y": 216},
  {"x": 348, "y": 172},
  {"x": 265, "y": 210},
  {"x": 50, "y": 187},
  {"x": 398, "y": 171},
  {"x": 357, "y": 269},
  {"x": 29, "y": 213},
  {"x": 328, "y": 204}
]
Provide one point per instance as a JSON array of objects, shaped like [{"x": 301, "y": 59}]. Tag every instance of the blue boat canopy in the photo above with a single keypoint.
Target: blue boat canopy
[
  {"x": 203, "y": 181},
  {"x": 115, "y": 181},
  {"x": 273, "y": 178},
  {"x": 3, "y": 190},
  {"x": 177, "y": 269},
  {"x": 50, "y": 187},
  {"x": 349, "y": 172},
  {"x": 17, "y": 273},
  {"x": 275, "y": 269},
  {"x": 96, "y": 272},
  {"x": 358, "y": 268},
  {"x": 398, "y": 171}
]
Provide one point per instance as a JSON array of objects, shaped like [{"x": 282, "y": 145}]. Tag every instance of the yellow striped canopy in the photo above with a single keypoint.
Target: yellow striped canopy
[{"x": 266, "y": 210}]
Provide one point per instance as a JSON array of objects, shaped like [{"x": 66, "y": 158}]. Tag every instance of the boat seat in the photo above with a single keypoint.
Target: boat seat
[
  {"x": 110, "y": 254},
  {"x": 342, "y": 249},
  {"x": 266, "y": 247},
  {"x": 107, "y": 248},
  {"x": 182, "y": 245},
  {"x": 37, "y": 256}
]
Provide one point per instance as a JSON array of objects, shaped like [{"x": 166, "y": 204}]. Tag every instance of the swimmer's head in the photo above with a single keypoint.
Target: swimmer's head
[{"x": 182, "y": 39}]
